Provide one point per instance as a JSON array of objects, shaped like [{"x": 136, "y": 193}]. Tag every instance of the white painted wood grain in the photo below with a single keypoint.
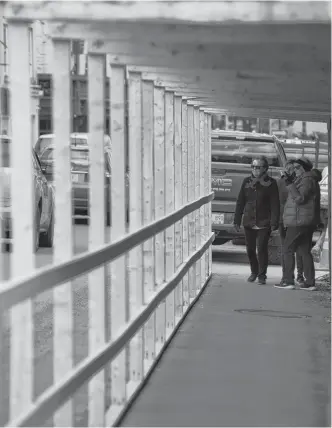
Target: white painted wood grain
[
  {"x": 197, "y": 184},
  {"x": 148, "y": 211},
  {"x": 159, "y": 199},
  {"x": 191, "y": 197},
  {"x": 178, "y": 199},
  {"x": 207, "y": 161},
  {"x": 185, "y": 241},
  {"x": 97, "y": 298},
  {"x": 23, "y": 217},
  {"x": 202, "y": 187},
  {"x": 119, "y": 289},
  {"x": 209, "y": 187},
  {"x": 135, "y": 259},
  {"x": 63, "y": 233},
  {"x": 169, "y": 205}
]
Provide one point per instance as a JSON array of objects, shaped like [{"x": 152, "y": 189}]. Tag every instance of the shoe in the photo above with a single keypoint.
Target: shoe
[
  {"x": 261, "y": 281},
  {"x": 252, "y": 278},
  {"x": 285, "y": 286},
  {"x": 300, "y": 281},
  {"x": 308, "y": 287}
]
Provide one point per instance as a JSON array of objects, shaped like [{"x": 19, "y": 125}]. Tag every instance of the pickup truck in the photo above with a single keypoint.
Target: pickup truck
[{"x": 232, "y": 153}]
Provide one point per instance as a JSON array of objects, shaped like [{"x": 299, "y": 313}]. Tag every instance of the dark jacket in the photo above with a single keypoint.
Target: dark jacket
[
  {"x": 318, "y": 177},
  {"x": 259, "y": 204},
  {"x": 302, "y": 202},
  {"x": 283, "y": 194}
]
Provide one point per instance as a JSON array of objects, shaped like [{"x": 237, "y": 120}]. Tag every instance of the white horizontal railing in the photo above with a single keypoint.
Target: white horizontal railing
[{"x": 138, "y": 278}]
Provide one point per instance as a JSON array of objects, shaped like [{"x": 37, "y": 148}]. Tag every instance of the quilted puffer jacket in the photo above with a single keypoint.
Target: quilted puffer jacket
[{"x": 300, "y": 207}]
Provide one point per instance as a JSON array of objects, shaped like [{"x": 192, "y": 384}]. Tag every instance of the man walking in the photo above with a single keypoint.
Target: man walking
[
  {"x": 299, "y": 219},
  {"x": 258, "y": 202}
]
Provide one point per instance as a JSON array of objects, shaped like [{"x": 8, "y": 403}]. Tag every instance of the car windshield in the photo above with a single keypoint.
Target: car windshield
[
  {"x": 243, "y": 152},
  {"x": 5, "y": 153}
]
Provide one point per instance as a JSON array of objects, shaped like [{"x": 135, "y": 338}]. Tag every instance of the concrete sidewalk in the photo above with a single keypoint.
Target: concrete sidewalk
[{"x": 247, "y": 355}]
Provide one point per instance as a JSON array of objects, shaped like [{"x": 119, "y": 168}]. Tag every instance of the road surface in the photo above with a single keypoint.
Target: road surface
[{"x": 246, "y": 355}]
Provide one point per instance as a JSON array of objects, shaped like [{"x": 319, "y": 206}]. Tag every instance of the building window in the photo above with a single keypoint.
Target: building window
[
  {"x": 31, "y": 58},
  {"x": 5, "y": 48}
]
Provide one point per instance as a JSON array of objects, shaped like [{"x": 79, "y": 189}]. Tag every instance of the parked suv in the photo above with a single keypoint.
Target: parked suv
[{"x": 232, "y": 155}]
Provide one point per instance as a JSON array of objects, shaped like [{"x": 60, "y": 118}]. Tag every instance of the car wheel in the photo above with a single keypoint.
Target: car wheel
[
  {"x": 46, "y": 239},
  {"x": 37, "y": 229}
]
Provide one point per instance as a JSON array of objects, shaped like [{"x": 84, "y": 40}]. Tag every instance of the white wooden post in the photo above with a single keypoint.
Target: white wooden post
[
  {"x": 197, "y": 187},
  {"x": 185, "y": 241},
  {"x": 63, "y": 232},
  {"x": 207, "y": 160},
  {"x": 148, "y": 216},
  {"x": 169, "y": 205},
  {"x": 97, "y": 298},
  {"x": 23, "y": 217},
  {"x": 191, "y": 197},
  {"x": 202, "y": 189},
  {"x": 119, "y": 292},
  {"x": 135, "y": 259},
  {"x": 209, "y": 188},
  {"x": 178, "y": 200},
  {"x": 159, "y": 173}
]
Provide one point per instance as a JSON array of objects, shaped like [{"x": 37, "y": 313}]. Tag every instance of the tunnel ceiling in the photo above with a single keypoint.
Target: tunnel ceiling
[{"x": 250, "y": 58}]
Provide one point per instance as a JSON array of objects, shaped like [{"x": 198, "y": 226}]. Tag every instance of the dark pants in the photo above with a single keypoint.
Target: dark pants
[
  {"x": 299, "y": 265},
  {"x": 282, "y": 233},
  {"x": 259, "y": 238},
  {"x": 298, "y": 239}
]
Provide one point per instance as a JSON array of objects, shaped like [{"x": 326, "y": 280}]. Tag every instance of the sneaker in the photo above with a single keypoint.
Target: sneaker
[
  {"x": 261, "y": 281},
  {"x": 300, "y": 281},
  {"x": 308, "y": 287},
  {"x": 285, "y": 286},
  {"x": 252, "y": 278}
]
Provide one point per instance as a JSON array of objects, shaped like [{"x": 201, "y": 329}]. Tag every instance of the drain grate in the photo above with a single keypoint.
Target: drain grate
[{"x": 272, "y": 314}]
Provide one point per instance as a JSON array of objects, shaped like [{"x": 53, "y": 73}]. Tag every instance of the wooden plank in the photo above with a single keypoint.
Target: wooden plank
[
  {"x": 169, "y": 207},
  {"x": 185, "y": 241},
  {"x": 202, "y": 187},
  {"x": 159, "y": 200},
  {"x": 119, "y": 291},
  {"x": 271, "y": 57},
  {"x": 207, "y": 182},
  {"x": 24, "y": 212},
  {"x": 197, "y": 193},
  {"x": 135, "y": 259},
  {"x": 191, "y": 197},
  {"x": 63, "y": 232},
  {"x": 19, "y": 289},
  {"x": 178, "y": 200},
  {"x": 174, "y": 12},
  {"x": 55, "y": 397},
  {"x": 97, "y": 208},
  {"x": 209, "y": 189},
  {"x": 197, "y": 33},
  {"x": 148, "y": 214}
]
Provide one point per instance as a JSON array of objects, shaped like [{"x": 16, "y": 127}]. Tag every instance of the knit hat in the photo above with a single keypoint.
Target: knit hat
[{"x": 305, "y": 162}]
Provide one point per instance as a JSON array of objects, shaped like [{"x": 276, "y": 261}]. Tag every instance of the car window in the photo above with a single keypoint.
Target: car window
[
  {"x": 243, "y": 152},
  {"x": 5, "y": 153}
]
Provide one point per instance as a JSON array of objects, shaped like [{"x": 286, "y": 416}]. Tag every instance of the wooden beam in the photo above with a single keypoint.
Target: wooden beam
[
  {"x": 301, "y": 34},
  {"x": 289, "y": 57},
  {"x": 172, "y": 11}
]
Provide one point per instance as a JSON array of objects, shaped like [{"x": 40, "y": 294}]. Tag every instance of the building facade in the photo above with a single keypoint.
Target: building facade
[
  {"x": 79, "y": 89},
  {"x": 5, "y": 112}
]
